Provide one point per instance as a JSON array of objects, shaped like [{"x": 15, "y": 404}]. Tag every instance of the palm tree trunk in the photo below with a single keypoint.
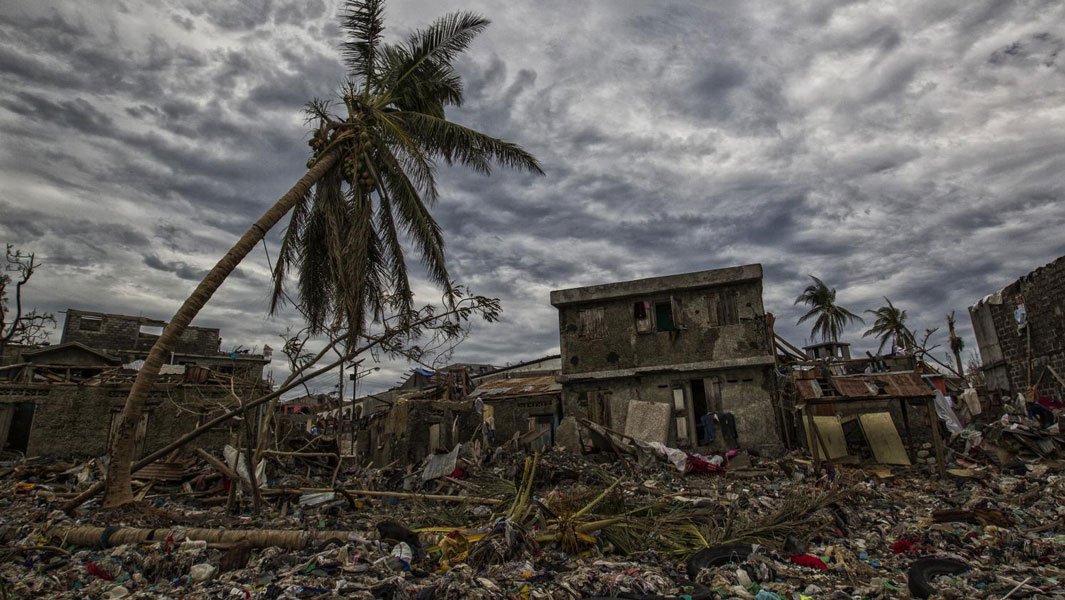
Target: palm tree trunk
[{"x": 119, "y": 490}]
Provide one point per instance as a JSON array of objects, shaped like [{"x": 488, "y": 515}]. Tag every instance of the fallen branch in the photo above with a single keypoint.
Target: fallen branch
[{"x": 219, "y": 466}]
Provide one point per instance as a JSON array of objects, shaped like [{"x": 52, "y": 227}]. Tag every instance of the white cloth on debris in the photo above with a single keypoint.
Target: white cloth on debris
[
  {"x": 945, "y": 411},
  {"x": 677, "y": 458},
  {"x": 972, "y": 401}
]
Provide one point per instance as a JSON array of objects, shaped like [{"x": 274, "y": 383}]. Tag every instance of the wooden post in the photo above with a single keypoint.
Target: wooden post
[
  {"x": 937, "y": 441},
  {"x": 1028, "y": 337},
  {"x": 811, "y": 437},
  {"x": 906, "y": 424}
]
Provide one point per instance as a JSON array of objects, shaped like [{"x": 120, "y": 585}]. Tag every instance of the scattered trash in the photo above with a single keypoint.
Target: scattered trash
[{"x": 626, "y": 522}]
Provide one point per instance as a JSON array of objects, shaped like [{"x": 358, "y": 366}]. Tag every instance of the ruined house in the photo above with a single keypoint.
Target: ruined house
[
  {"x": 651, "y": 356},
  {"x": 1020, "y": 331},
  {"x": 64, "y": 400}
]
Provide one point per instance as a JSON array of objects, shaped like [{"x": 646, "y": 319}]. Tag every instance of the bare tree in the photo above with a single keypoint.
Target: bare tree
[{"x": 17, "y": 325}]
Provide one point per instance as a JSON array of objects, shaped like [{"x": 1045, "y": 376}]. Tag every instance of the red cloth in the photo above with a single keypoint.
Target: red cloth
[
  {"x": 1048, "y": 402},
  {"x": 910, "y": 545},
  {"x": 700, "y": 466},
  {"x": 807, "y": 560},
  {"x": 94, "y": 569}
]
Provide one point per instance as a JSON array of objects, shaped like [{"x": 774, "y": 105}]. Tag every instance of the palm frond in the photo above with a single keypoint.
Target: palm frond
[
  {"x": 363, "y": 24},
  {"x": 455, "y": 143},
  {"x": 441, "y": 42},
  {"x": 422, "y": 229}
]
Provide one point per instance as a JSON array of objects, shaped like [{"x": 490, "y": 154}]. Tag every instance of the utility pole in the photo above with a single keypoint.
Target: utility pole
[
  {"x": 340, "y": 400},
  {"x": 351, "y": 415}
]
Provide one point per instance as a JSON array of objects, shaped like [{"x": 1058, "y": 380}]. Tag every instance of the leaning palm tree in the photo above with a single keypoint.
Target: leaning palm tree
[
  {"x": 370, "y": 181},
  {"x": 890, "y": 326},
  {"x": 831, "y": 318}
]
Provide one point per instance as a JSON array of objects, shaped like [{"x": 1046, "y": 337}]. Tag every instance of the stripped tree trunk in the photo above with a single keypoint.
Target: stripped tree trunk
[{"x": 119, "y": 490}]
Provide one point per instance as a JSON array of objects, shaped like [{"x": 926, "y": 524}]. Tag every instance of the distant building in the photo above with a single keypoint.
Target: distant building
[
  {"x": 65, "y": 399},
  {"x": 690, "y": 344},
  {"x": 1020, "y": 330}
]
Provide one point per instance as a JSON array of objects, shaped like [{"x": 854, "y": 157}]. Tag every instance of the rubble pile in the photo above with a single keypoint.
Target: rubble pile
[{"x": 509, "y": 524}]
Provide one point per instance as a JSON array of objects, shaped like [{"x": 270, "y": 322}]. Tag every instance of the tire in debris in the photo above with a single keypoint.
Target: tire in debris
[
  {"x": 922, "y": 572},
  {"x": 716, "y": 556}
]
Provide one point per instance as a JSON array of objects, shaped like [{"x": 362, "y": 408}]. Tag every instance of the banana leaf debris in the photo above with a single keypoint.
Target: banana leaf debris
[{"x": 630, "y": 521}]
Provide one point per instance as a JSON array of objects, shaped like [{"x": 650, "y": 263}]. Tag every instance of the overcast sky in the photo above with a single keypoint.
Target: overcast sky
[{"x": 913, "y": 150}]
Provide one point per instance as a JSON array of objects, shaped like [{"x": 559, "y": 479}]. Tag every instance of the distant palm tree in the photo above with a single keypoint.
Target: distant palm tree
[
  {"x": 890, "y": 325},
  {"x": 370, "y": 180},
  {"x": 831, "y": 318}
]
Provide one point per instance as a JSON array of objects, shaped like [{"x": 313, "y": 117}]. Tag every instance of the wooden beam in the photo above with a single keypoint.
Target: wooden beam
[
  {"x": 219, "y": 466},
  {"x": 937, "y": 441}
]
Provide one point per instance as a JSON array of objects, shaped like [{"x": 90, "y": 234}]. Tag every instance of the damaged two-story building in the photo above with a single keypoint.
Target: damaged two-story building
[
  {"x": 651, "y": 357},
  {"x": 64, "y": 399}
]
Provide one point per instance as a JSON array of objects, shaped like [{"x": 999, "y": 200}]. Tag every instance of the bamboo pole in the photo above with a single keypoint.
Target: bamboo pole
[
  {"x": 379, "y": 494},
  {"x": 261, "y": 538}
]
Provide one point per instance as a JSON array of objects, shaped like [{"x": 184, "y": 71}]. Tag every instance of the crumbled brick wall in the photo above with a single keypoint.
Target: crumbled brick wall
[
  {"x": 511, "y": 415},
  {"x": 1043, "y": 293},
  {"x": 122, "y": 333}
]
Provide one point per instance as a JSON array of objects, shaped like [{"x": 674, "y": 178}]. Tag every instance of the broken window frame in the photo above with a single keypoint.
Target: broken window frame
[
  {"x": 723, "y": 308},
  {"x": 641, "y": 312},
  {"x": 91, "y": 323}
]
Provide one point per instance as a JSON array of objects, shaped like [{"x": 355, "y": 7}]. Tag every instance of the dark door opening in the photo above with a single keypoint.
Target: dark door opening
[
  {"x": 18, "y": 433},
  {"x": 699, "y": 407}
]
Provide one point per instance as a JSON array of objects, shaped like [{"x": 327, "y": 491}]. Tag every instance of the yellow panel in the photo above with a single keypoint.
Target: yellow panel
[
  {"x": 832, "y": 434},
  {"x": 884, "y": 438}
]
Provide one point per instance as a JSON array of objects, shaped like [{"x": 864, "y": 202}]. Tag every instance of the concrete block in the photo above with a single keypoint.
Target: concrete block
[
  {"x": 649, "y": 421},
  {"x": 568, "y": 435}
]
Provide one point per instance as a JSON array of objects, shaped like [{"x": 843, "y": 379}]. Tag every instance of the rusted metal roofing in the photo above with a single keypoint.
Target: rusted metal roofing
[
  {"x": 892, "y": 385},
  {"x": 515, "y": 387}
]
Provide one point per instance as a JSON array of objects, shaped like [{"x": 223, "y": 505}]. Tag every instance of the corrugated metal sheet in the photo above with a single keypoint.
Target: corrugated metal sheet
[
  {"x": 894, "y": 385},
  {"x": 899, "y": 385},
  {"x": 517, "y": 387}
]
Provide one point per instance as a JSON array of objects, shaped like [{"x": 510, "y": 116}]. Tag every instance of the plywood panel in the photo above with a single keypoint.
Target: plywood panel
[
  {"x": 883, "y": 438},
  {"x": 831, "y": 432}
]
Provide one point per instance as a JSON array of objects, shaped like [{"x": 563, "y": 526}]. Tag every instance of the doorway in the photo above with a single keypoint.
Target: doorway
[
  {"x": 19, "y": 419},
  {"x": 699, "y": 408}
]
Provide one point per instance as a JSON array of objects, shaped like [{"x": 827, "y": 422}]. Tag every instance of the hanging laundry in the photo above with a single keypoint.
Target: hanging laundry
[{"x": 945, "y": 411}]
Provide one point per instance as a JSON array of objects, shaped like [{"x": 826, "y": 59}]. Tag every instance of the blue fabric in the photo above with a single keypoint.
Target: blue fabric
[{"x": 708, "y": 429}]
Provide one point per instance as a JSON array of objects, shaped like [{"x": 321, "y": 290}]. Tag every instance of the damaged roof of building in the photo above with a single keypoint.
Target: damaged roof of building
[
  {"x": 518, "y": 387},
  {"x": 889, "y": 385}
]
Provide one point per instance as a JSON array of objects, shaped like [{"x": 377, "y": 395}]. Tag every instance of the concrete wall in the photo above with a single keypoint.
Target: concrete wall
[
  {"x": 747, "y": 393},
  {"x": 1004, "y": 348},
  {"x": 699, "y": 335},
  {"x": 72, "y": 420}
]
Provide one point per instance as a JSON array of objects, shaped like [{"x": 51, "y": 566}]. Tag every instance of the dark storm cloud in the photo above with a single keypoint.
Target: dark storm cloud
[
  {"x": 181, "y": 269},
  {"x": 908, "y": 151}
]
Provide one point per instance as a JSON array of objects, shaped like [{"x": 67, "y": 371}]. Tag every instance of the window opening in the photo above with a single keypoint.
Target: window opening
[{"x": 664, "y": 316}]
